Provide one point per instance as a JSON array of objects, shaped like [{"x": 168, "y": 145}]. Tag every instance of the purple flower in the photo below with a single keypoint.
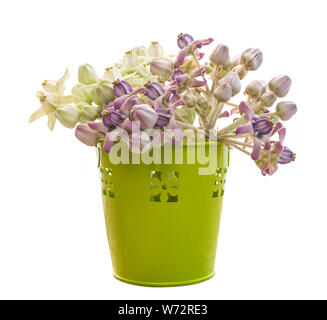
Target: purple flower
[
  {"x": 122, "y": 88},
  {"x": 145, "y": 115},
  {"x": 153, "y": 90},
  {"x": 111, "y": 118},
  {"x": 261, "y": 126},
  {"x": 287, "y": 156},
  {"x": 183, "y": 40},
  {"x": 163, "y": 117}
]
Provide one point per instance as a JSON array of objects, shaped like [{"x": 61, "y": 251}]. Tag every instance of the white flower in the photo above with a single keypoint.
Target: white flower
[{"x": 52, "y": 99}]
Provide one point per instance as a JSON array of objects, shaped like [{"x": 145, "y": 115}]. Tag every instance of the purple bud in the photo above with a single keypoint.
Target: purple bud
[
  {"x": 233, "y": 80},
  {"x": 261, "y": 126},
  {"x": 145, "y": 114},
  {"x": 183, "y": 40},
  {"x": 111, "y": 118},
  {"x": 287, "y": 156},
  {"x": 153, "y": 90},
  {"x": 286, "y": 110},
  {"x": 220, "y": 55},
  {"x": 163, "y": 117},
  {"x": 268, "y": 99},
  {"x": 87, "y": 135},
  {"x": 121, "y": 88},
  {"x": 256, "y": 88},
  {"x": 252, "y": 59},
  {"x": 223, "y": 93},
  {"x": 280, "y": 85}
]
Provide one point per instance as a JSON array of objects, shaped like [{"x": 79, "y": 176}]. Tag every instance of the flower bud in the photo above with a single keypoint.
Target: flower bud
[
  {"x": 235, "y": 61},
  {"x": 287, "y": 156},
  {"x": 111, "y": 74},
  {"x": 280, "y": 85},
  {"x": 68, "y": 115},
  {"x": 223, "y": 93},
  {"x": 233, "y": 80},
  {"x": 256, "y": 88},
  {"x": 145, "y": 114},
  {"x": 268, "y": 99},
  {"x": 87, "y": 74},
  {"x": 88, "y": 112},
  {"x": 141, "y": 51},
  {"x": 156, "y": 50},
  {"x": 220, "y": 55},
  {"x": 241, "y": 71},
  {"x": 105, "y": 93},
  {"x": 183, "y": 40},
  {"x": 163, "y": 117},
  {"x": 190, "y": 99},
  {"x": 286, "y": 110},
  {"x": 130, "y": 59},
  {"x": 252, "y": 59},
  {"x": 121, "y": 88},
  {"x": 87, "y": 135},
  {"x": 261, "y": 126},
  {"x": 153, "y": 90},
  {"x": 162, "y": 68}
]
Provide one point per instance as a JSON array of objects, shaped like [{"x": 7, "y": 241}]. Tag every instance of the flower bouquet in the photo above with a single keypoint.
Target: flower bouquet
[{"x": 154, "y": 120}]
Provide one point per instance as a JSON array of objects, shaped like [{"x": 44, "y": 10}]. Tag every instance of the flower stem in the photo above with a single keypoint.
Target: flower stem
[
  {"x": 238, "y": 148},
  {"x": 246, "y": 145},
  {"x": 232, "y": 126},
  {"x": 232, "y": 104},
  {"x": 199, "y": 66}
]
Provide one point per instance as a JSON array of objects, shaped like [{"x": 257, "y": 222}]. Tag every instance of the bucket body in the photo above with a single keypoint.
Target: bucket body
[{"x": 162, "y": 220}]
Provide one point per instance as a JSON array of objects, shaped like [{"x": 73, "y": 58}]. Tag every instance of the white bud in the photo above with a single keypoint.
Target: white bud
[
  {"x": 88, "y": 112},
  {"x": 87, "y": 74},
  {"x": 105, "y": 93},
  {"x": 141, "y": 51},
  {"x": 68, "y": 115}
]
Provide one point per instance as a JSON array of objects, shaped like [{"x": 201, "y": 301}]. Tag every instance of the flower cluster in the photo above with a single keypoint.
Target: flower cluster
[{"x": 150, "y": 98}]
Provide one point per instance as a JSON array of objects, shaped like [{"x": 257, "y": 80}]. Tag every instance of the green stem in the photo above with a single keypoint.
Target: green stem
[
  {"x": 232, "y": 126},
  {"x": 238, "y": 148}
]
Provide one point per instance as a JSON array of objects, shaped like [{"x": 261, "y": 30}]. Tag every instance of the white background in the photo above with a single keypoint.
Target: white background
[{"x": 53, "y": 243}]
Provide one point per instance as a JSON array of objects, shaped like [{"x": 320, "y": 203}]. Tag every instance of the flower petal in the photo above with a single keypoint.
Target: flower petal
[
  {"x": 249, "y": 114},
  {"x": 256, "y": 149}
]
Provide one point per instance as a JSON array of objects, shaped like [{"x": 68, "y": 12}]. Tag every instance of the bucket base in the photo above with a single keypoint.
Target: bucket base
[{"x": 163, "y": 284}]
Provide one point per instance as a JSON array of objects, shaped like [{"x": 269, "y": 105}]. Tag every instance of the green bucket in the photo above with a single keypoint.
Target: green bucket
[{"x": 162, "y": 220}]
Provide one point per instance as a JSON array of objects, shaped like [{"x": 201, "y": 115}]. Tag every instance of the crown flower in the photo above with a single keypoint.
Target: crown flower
[{"x": 152, "y": 98}]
